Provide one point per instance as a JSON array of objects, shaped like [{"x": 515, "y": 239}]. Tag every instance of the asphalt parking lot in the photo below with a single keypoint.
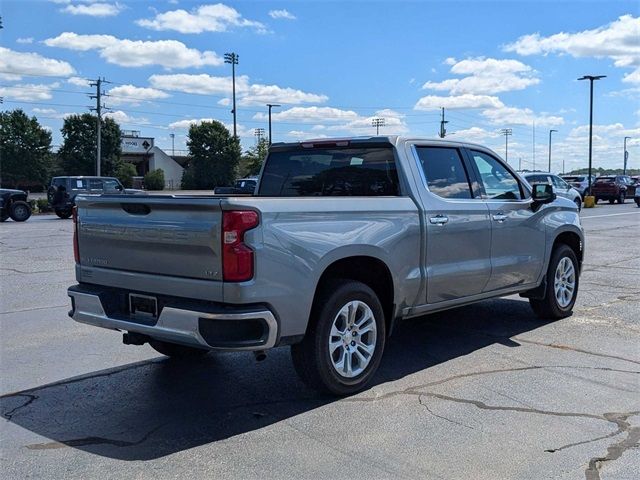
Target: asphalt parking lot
[{"x": 481, "y": 392}]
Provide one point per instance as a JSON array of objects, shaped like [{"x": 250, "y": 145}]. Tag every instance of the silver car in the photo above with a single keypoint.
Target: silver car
[
  {"x": 560, "y": 187},
  {"x": 579, "y": 182}
]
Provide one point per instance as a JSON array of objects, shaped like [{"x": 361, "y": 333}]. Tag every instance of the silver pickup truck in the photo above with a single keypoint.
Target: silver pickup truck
[{"x": 341, "y": 239}]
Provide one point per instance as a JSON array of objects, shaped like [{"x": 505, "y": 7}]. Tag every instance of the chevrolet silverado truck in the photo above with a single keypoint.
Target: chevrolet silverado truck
[{"x": 341, "y": 239}]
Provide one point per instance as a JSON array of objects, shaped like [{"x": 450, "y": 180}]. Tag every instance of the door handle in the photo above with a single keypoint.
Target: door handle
[
  {"x": 439, "y": 219},
  {"x": 499, "y": 217}
]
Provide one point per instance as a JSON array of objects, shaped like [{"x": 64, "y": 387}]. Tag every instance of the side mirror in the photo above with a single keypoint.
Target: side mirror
[
  {"x": 543, "y": 193},
  {"x": 119, "y": 188}
]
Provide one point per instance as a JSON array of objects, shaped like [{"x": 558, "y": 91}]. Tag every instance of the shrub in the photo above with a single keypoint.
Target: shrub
[
  {"x": 125, "y": 172},
  {"x": 154, "y": 180},
  {"x": 42, "y": 205}
]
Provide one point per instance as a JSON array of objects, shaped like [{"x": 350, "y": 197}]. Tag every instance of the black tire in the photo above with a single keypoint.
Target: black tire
[
  {"x": 20, "y": 211},
  {"x": 549, "y": 308},
  {"x": 621, "y": 198},
  {"x": 3, "y": 216},
  {"x": 176, "y": 351},
  {"x": 596, "y": 200},
  {"x": 64, "y": 212},
  {"x": 612, "y": 201},
  {"x": 312, "y": 359}
]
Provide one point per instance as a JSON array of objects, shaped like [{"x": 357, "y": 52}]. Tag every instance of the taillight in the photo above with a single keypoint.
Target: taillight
[
  {"x": 237, "y": 258},
  {"x": 76, "y": 250}
]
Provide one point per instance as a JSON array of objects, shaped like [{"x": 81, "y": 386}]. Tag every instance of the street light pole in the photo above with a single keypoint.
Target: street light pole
[
  {"x": 173, "y": 144},
  {"x": 550, "y": 132},
  {"x": 232, "y": 58},
  {"x": 591, "y": 78},
  {"x": 378, "y": 122},
  {"x": 271, "y": 105},
  {"x": 626, "y": 155}
]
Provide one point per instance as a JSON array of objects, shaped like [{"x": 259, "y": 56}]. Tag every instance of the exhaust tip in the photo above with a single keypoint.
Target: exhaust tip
[{"x": 260, "y": 355}]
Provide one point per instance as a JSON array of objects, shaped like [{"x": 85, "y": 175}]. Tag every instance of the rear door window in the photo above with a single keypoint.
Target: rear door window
[
  {"x": 444, "y": 172},
  {"x": 350, "y": 171},
  {"x": 95, "y": 185}
]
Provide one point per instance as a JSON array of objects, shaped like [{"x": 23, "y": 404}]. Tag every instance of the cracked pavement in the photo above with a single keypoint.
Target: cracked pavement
[{"x": 480, "y": 392}]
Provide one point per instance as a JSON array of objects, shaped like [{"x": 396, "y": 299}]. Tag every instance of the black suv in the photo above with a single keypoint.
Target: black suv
[
  {"x": 13, "y": 203},
  {"x": 63, "y": 191}
]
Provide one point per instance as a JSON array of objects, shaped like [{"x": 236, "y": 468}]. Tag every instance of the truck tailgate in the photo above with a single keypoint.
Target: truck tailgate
[{"x": 163, "y": 235}]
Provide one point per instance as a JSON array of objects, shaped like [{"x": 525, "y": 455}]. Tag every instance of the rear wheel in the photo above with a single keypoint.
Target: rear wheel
[
  {"x": 562, "y": 286},
  {"x": 621, "y": 198},
  {"x": 63, "y": 212},
  {"x": 343, "y": 346},
  {"x": 20, "y": 211},
  {"x": 174, "y": 350}
]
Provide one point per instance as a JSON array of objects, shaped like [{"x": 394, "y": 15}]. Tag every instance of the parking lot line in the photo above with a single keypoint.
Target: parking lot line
[{"x": 610, "y": 215}]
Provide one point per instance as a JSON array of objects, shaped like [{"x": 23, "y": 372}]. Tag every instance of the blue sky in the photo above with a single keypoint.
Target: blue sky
[{"x": 336, "y": 65}]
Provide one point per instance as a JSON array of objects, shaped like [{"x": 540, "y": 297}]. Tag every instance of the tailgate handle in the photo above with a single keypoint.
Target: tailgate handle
[{"x": 136, "y": 208}]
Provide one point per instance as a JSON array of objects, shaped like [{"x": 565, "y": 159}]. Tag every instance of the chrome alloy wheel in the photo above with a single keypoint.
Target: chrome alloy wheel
[
  {"x": 352, "y": 341},
  {"x": 564, "y": 282}
]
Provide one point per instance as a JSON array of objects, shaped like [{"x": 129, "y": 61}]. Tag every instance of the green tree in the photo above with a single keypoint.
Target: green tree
[
  {"x": 251, "y": 161},
  {"x": 215, "y": 155},
  {"x": 25, "y": 156},
  {"x": 154, "y": 180},
  {"x": 125, "y": 172},
  {"x": 78, "y": 151}
]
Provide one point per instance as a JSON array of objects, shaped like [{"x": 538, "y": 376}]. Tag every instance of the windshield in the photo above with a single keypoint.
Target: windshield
[
  {"x": 574, "y": 179},
  {"x": 302, "y": 172}
]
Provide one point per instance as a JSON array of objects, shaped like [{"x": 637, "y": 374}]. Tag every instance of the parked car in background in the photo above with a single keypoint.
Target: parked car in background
[
  {"x": 613, "y": 188},
  {"x": 63, "y": 191},
  {"x": 342, "y": 239},
  {"x": 579, "y": 182},
  {"x": 560, "y": 187},
  {"x": 242, "y": 186},
  {"x": 14, "y": 205},
  {"x": 636, "y": 195}
]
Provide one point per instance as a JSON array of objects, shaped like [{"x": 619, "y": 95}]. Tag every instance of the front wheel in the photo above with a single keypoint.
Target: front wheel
[
  {"x": 343, "y": 346},
  {"x": 562, "y": 286},
  {"x": 176, "y": 351},
  {"x": 63, "y": 212},
  {"x": 20, "y": 211}
]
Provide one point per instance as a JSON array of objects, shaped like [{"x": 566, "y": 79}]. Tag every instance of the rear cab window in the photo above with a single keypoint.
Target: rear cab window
[
  {"x": 79, "y": 184},
  {"x": 444, "y": 172},
  {"x": 332, "y": 170}
]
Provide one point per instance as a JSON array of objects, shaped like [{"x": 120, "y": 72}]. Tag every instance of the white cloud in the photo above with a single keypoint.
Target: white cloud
[
  {"x": 137, "y": 53},
  {"x": 123, "y": 118},
  {"x": 13, "y": 64},
  {"x": 28, "y": 92},
  {"x": 205, "y": 18},
  {"x": 79, "y": 81},
  {"x": 486, "y": 76},
  {"x": 185, "y": 124},
  {"x": 394, "y": 124},
  {"x": 310, "y": 115},
  {"x": 247, "y": 94},
  {"x": 26, "y": 40},
  {"x": 474, "y": 134},
  {"x": 520, "y": 116},
  {"x": 132, "y": 95},
  {"x": 617, "y": 40},
  {"x": 201, "y": 84},
  {"x": 282, "y": 14},
  {"x": 97, "y": 9},
  {"x": 50, "y": 113},
  {"x": 434, "y": 102}
]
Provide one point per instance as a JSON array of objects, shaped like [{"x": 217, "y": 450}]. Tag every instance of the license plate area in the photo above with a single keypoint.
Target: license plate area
[{"x": 143, "y": 306}]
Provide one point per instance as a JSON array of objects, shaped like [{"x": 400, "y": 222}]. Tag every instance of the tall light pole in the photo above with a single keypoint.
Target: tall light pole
[
  {"x": 377, "y": 122},
  {"x": 507, "y": 132},
  {"x": 271, "y": 105},
  {"x": 232, "y": 58},
  {"x": 591, "y": 78},
  {"x": 550, "y": 132},
  {"x": 173, "y": 144},
  {"x": 626, "y": 156},
  {"x": 259, "y": 133}
]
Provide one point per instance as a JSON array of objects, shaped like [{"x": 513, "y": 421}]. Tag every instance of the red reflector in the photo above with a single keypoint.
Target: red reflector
[
  {"x": 237, "y": 258},
  {"x": 76, "y": 250}
]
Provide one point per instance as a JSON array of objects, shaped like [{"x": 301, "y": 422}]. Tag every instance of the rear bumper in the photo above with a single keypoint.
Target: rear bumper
[{"x": 220, "y": 327}]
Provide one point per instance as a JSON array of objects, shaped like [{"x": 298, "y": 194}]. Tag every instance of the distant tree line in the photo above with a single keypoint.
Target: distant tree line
[{"x": 27, "y": 160}]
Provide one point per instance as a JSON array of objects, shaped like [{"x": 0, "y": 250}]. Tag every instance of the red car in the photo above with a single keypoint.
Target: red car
[{"x": 612, "y": 188}]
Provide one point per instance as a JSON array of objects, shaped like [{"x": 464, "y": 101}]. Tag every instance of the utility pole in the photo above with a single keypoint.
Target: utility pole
[
  {"x": 377, "y": 122},
  {"x": 507, "y": 132},
  {"x": 442, "y": 132},
  {"x": 259, "y": 133},
  {"x": 591, "y": 79},
  {"x": 534, "y": 145},
  {"x": 98, "y": 97},
  {"x": 173, "y": 144},
  {"x": 520, "y": 164},
  {"x": 550, "y": 132},
  {"x": 271, "y": 105},
  {"x": 626, "y": 156},
  {"x": 232, "y": 58}
]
